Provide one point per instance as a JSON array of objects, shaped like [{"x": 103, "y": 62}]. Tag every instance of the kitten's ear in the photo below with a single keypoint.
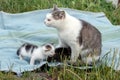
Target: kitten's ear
[
  {"x": 62, "y": 14},
  {"x": 55, "y": 7},
  {"x": 47, "y": 48}
]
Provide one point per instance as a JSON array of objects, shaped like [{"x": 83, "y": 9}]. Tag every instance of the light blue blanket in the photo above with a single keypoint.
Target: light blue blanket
[{"x": 16, "y": 29}]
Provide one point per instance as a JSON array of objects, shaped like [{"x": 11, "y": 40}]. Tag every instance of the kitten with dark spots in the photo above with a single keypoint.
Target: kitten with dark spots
[
  {"x": 83, "y": 38},
  {"x": 36, "y": 52}
]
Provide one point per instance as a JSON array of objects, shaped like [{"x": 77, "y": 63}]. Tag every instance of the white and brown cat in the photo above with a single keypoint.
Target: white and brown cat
[
  {"x": 35, "y": 52},
  {"x": 83, "y": 38}
]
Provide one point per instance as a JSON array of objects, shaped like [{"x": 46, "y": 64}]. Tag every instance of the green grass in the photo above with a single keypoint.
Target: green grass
[
  {"x": 66, "y": 73},
  {"x": 16, "y": 6}
]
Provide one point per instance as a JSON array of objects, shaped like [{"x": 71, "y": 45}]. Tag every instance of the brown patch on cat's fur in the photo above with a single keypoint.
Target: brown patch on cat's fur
[
  {"x": 58, "y": 14},
  {"x": 90, "y": 38}
]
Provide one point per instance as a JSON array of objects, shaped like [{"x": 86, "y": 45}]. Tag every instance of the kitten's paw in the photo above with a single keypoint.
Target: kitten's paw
[
  {"x": 31, "y": 64},
  {"x": 21, "y": 58}
]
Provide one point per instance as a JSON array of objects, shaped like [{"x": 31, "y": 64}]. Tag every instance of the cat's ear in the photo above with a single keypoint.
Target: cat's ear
[
  {"x": 62, "y": 14},
  {"x": 55, "y": 7}
]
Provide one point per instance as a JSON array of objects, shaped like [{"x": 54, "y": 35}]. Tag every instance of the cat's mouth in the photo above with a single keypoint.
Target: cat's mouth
[{"x": 48, "y": 25}]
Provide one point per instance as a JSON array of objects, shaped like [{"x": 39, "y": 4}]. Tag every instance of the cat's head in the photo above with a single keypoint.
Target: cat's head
[
  {"x": 48, "y": 49},
  {"x": 55, "y": 17}
]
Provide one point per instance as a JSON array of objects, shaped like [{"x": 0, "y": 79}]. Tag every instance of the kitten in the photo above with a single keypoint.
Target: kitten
[
  {"x": 35, "y": 52},
  {"x": 60, "y": 55},
  {"x": 83, "y": 38}
]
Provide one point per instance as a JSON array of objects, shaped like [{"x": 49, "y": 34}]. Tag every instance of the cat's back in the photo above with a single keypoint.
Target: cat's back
[
  {"x": 26, "y": 49},
  {"x": 90, "y": 36},
  {"x": 89, "y": 27}
]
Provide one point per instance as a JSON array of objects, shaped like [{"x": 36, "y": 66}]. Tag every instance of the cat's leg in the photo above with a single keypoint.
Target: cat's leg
[
  {"x": 90, "y": 60},
  {"x": 75, "y": 53},
  {"x": 32, "y": 60},
  {"x": 90, "y": 57}
]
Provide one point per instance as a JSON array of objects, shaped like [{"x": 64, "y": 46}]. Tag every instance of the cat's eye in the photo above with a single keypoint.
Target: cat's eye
[{"x": 49, "y": 19}]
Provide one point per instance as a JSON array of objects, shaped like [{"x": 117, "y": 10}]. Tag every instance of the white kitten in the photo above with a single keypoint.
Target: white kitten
[
  {"x": 83, "y": 38},
  {"x": 35, "y": 53}
]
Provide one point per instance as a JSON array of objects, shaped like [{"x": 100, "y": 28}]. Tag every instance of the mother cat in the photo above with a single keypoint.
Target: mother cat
[{"x": 83, "y": 38}]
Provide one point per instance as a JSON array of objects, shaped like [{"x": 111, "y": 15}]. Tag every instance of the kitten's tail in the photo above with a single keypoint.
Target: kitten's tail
[{"x": 18, "y": 52}]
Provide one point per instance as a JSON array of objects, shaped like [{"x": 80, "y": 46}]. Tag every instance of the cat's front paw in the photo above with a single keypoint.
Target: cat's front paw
[
  {"x": 71, "y": 63},
  {"x": 77, "y": 63}
]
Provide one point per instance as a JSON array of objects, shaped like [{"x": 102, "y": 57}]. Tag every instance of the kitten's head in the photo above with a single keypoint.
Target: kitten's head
[
  {"x": 48, "y": 49},
  {"x": 55, "y": 17}
]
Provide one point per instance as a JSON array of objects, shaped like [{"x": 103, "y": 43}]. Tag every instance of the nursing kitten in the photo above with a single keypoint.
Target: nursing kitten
[
  {"x": 35, "y": 52},
  {"x": 60, "y": 55},
  {"x": 83, "y": 38}
]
